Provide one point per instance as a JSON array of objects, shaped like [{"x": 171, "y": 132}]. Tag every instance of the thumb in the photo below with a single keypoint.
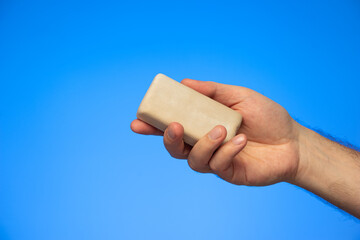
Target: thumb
[
  {"x": 206, "y": 88},
  {"x": 226, "y": 94}
]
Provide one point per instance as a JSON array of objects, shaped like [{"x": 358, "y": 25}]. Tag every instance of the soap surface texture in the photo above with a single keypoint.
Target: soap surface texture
[{"x": 169, "y": 101}]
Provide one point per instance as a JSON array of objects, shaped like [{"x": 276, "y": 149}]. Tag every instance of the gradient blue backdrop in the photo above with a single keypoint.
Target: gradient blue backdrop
[{"x": 73, "y": 73}]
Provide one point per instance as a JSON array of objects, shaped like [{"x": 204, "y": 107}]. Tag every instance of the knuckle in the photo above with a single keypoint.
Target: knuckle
[
  {"x": 191, "y": 165},
  {"x": 173, "y": 152},
  {"x": 227, "y": 150},
  {"x": 199, "y": 168},
  {"x": 215, "y": 166},
  {"x": 206, "y": 145},
  {"x": 177, "y": 155},
  {"x": 169, "y": 145},
  {"x": 174, "y": 155},
  {"x": 218, "y": 164},
  {"x": 194, "y": 165},
  {"x": 166, "y": 142}
]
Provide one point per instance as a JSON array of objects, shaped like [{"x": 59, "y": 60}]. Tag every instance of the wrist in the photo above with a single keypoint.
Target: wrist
[
  {"x": 303, "y": 138},
  {"x": 329, "y": 170},
  {"x": 316, "y": 162},
  {"x": 317, "y": 169},
  {"x": 319, "y": 164}
]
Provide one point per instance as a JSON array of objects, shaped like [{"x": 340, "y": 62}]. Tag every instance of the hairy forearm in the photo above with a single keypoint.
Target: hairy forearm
[{"x": 329, "y": 170}]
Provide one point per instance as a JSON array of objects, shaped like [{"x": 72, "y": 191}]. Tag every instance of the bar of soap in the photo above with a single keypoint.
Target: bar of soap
[{"x": 169, "y": 101}]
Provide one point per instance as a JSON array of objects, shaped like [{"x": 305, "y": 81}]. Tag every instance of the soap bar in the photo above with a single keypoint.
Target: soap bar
[{"x": 169, "y": 101}]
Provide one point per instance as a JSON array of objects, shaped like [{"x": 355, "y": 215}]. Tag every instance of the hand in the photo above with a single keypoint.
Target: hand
[{"x": 264, "y": 152}]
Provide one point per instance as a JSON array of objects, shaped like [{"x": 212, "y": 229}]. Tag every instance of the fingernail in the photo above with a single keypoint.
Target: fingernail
[
  {"x": 215, "y": 133},
  {"x": 171, "y": 133},
  {"x": 238, "y": 139}
]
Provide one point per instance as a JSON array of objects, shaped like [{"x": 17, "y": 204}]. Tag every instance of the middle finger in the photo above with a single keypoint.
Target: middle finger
[{"x": 203, "y": 150}]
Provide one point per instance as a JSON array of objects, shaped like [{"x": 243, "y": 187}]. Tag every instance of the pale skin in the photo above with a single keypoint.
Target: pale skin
[{"x": 270, "y": 147}]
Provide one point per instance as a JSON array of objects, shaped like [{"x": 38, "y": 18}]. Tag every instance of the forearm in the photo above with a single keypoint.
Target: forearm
[{"x": 329, "y": 170}]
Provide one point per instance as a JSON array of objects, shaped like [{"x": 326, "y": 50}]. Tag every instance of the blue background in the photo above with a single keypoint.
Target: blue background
[{"x": 73, "y": 73}]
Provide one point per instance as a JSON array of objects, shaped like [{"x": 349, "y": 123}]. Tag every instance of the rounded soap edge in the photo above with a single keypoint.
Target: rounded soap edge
[
  {"x": 234, "y": 131},
  {"x": 142, "y": 105}
]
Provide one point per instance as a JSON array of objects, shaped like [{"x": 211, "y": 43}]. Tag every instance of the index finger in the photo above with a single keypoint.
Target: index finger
[{"x": 141, "y": 127}]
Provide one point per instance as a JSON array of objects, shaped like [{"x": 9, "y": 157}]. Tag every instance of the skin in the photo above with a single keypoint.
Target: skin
[{"x": 270, "y": 147}]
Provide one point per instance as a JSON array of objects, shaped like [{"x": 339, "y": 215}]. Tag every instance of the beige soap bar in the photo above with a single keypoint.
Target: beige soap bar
[{"x": 169, "y": 101}]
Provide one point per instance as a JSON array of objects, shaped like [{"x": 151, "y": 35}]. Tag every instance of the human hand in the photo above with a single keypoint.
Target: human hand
[{"x": 265, "y": 151}]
